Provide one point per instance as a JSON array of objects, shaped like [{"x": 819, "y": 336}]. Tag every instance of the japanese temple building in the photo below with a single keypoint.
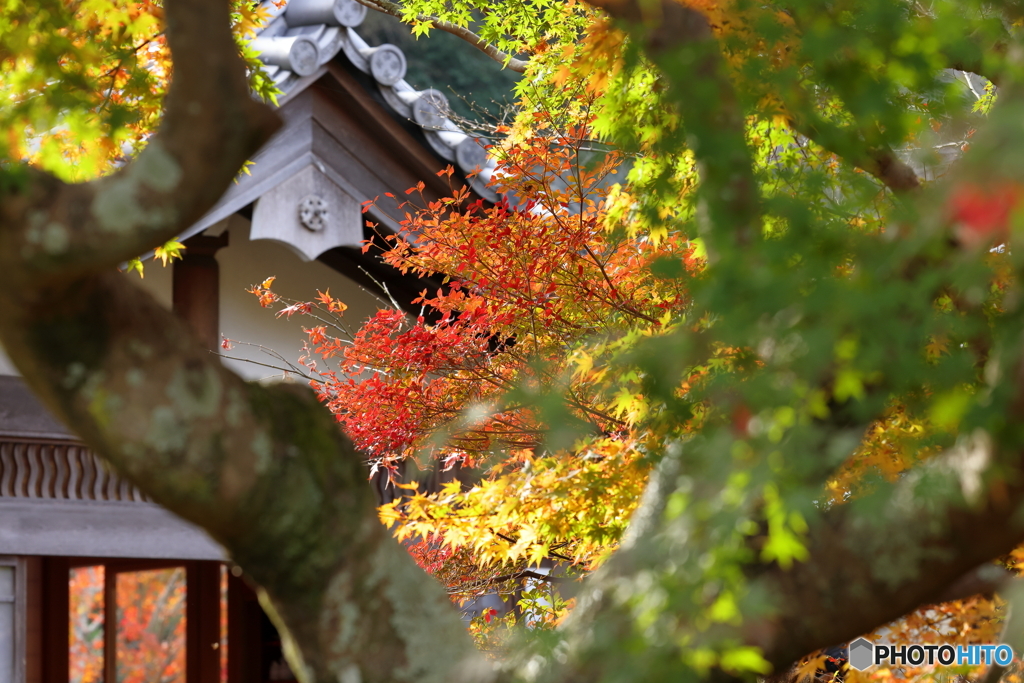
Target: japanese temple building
[{"x": 354, "y": 130}]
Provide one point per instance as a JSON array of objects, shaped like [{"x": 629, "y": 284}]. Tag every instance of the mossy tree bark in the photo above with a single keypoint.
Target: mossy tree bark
[{"x": 264, "y": 470}]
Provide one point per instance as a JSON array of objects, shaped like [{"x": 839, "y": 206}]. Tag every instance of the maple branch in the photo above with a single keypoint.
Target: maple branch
[
  {"x": 577, "y": 403},
  {"x": 881, "y": 162},
  {"x": 525, "y": 574},
  {"x": 112, "y": 73},
  {"x": 503, "y": 58},
  {"x": 551, "y": 554},
  {"x": 617, "y": 301}
]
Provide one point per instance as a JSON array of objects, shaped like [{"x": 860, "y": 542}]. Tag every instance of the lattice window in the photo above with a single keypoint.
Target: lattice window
[{"x": 12, "y": 620}]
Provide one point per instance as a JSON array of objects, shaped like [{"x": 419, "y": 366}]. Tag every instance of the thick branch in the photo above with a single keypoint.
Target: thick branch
[
  {"x": 868, "y": 563},
  {"x": 988, "y": 579},
  {"x": 882, "y": 162},
  {"x": 265, "y": 470},
  {"x": 875, "y": 566},
  {"x": 505, "y": 59},
  {"x": 210, "y": 127}
]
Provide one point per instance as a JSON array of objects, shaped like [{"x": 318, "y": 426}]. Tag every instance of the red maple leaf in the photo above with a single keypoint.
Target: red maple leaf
[{"x": 983, "y": 213}]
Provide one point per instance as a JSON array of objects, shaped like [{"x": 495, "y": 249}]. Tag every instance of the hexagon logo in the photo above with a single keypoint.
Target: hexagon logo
[{"x": 862, "y": 654}]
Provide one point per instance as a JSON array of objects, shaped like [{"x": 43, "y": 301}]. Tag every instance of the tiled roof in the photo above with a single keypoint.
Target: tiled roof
[{"x": 304, "y": 35}]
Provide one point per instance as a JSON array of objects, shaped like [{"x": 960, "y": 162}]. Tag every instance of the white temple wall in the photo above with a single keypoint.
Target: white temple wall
[{"x": 244, "y": 263}]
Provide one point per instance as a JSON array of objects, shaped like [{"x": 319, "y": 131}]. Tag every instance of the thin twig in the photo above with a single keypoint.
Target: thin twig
[{"x": 395, "y": 10}]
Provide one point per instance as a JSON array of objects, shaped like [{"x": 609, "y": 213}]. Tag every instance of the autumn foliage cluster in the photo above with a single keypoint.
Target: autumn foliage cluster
[
  {"x": 536, "y": 294},
  {"x": 520, "y": 377}
]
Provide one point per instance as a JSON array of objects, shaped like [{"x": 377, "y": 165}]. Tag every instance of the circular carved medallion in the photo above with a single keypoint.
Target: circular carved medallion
[{"x": 313, "y": 213}]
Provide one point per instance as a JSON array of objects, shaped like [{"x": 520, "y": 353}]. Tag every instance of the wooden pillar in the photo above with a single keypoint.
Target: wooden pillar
[
  {"x": 110, "y": 620},
  {"x": 245, "y": 655},
  {"x": 56, "y": 613},
  {"x": 196, "y": 287},
  {"x": 34, "y": 620},
  {"x": 202, "y": 615}
]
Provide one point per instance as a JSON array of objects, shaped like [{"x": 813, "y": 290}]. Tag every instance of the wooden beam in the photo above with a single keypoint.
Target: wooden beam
[
  {"x": 196, "y": 287},
  {"x": 56, "y": 613},
  {"x": 12, "y": 618},
  {"x": 109, "y": 623},
  {"x": 202, "y": 615},
  {"x": 33, "y": 619},
  {"x": 244, "y": 637},
  {"x": 382, "y": 125}
]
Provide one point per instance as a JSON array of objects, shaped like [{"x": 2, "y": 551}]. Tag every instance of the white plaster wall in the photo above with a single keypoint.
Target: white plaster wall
[
  {"x": 6, "y": 368},
  {"x": 242, "y": 319},
  {"x": 157, "y": 281}
]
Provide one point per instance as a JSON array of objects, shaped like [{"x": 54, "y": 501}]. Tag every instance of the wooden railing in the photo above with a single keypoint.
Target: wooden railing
[{"x": 58, "y": 471}]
